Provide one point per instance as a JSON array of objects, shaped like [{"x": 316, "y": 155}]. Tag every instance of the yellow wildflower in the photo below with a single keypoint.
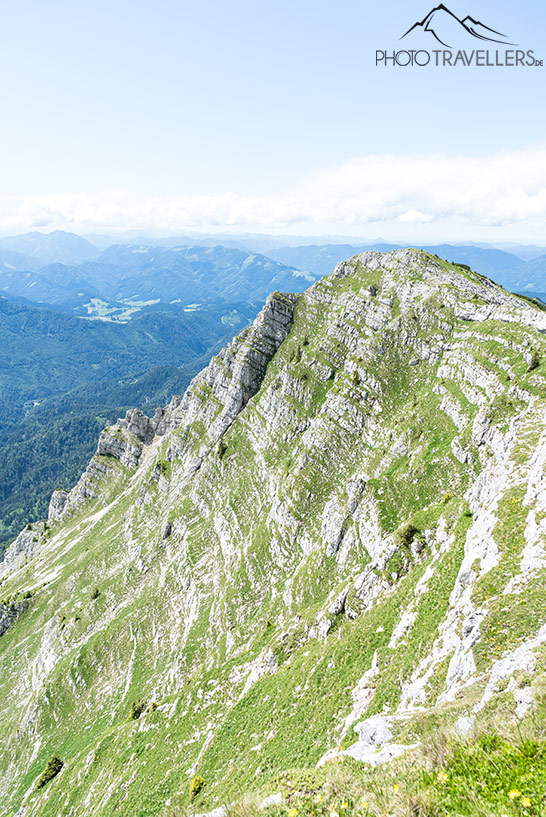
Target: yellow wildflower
[
  {"x": 317, "y": 798},
  {"x": 292, "y": 812},
  {"x": 441, "y": 776},
  {"x": 525, "y": 802},
  {"x": 344, "y": 806},
  {"x": 513, "y": 793},
  {"x": 396, "y": 787}
]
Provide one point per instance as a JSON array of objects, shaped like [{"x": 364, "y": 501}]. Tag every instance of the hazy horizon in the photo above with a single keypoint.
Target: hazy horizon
[{"x": 127, "y": 237}]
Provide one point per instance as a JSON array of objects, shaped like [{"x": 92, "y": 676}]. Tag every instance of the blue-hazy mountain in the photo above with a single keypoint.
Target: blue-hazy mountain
[
  {"x": 54, "y": 284},
  {"x": 532, "y": 276},
  {"x": 320, "y": 259},
  {"x": 527, "y": 252},
  {"x": 132, "y": 275},
  {"x": 229, "y": 272},
  {"x": 120, "y": 279},
  {"x": 48, "y": 248},
  {"x": 11, "y": 261}
]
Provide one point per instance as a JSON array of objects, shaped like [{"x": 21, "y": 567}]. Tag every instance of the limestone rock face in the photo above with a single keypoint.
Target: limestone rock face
[
  {"x": 126, "y": 439},
  {"x": 10, "y": 613},
  {"x": 338, "y": 531},
  {"x": 20, "y": 551},
  {"x": 57, "y": 504},
  {"x": 121, "y": 444},
  {"x": 137, "y": 423},
  {"x": 221, "y": 391}
]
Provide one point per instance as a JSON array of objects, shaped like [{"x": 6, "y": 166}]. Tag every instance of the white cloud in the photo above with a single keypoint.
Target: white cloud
[{"x": 501, "y": 195}]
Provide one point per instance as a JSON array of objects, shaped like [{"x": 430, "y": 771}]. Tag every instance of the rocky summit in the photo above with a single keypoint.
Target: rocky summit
[{"x": 330, "y": 547}]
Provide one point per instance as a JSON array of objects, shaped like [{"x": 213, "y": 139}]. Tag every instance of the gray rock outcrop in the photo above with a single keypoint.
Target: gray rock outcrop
[
  {"x": 10, "y": 613},
  {"x": 20, "y": 550},
  {"x": 57, "y": 504},
  {"x": 121, "y": 444}
]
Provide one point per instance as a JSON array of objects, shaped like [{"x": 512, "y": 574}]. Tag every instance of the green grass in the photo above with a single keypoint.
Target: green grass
[
  {"x": 180, "y": 623},
  {"x": 485, "y": 775}
]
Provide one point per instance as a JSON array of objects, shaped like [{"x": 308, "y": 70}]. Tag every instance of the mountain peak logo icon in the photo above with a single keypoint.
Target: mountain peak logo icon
[{"x": 446, "y": 26}]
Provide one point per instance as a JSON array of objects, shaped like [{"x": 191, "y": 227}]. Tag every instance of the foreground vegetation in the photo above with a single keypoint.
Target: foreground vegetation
[{"x": 485, "y": 774}]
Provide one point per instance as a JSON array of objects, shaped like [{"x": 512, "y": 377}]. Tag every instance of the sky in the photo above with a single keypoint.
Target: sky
[{"x": 274, "y": 118}]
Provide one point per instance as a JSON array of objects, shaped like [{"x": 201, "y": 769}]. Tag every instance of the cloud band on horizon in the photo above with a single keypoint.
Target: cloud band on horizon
[{"x": 397, "y": 194}]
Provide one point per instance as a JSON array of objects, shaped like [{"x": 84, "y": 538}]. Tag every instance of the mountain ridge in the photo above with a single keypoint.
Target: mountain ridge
[
  {"x": 134, "y": 275},
  {"x": 322, "y": 535},
  {"x": 55, "y": 247}
]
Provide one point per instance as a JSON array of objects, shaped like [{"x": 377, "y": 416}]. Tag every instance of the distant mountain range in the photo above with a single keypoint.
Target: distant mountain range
[
  {"x": 59, "y": 246},
  {"x": 503, "y": 267},
  {"x": 65, "y": 271},
  {"x": 11, "y": 261},
  {"x": 124, "y": 278},
  {"x": 168, "y": 274}
]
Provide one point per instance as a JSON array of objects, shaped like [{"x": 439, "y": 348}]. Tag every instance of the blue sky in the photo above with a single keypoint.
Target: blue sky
[{"x": 248, "y": 116}]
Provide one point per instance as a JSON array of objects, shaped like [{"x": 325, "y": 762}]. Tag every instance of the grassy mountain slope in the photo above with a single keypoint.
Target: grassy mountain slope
[{"x": 343, "y": 518}]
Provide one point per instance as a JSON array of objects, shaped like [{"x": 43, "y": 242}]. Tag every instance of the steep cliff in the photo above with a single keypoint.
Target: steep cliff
[{"x": 335, "y": 536}]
